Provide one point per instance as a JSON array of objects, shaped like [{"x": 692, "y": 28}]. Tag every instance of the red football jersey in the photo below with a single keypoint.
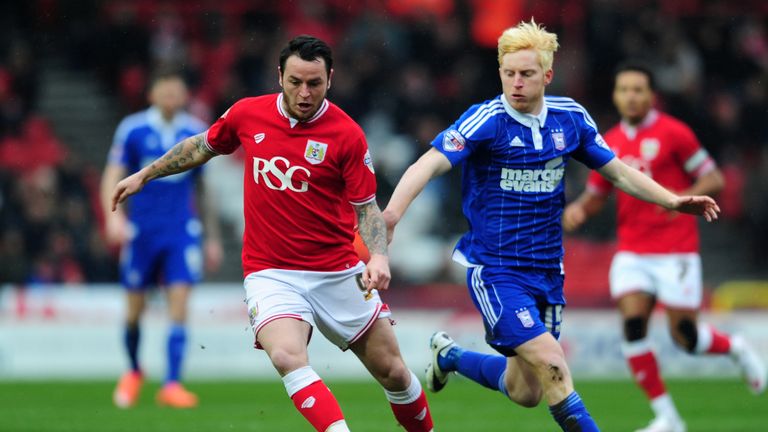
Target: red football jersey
[
  {"x": 300, "y": 179},
  {"x": 666, "y": 150}
]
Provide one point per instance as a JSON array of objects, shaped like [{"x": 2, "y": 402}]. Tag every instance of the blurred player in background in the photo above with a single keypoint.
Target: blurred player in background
[
  {"x": 161, "y": 234},
  {"x": 658, "y": 256},
  {"x": 513, "y": 149},
  {"x": 307, "y": 161}
]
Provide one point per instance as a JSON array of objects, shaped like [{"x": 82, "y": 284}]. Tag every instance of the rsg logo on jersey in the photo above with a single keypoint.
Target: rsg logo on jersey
[
  {"x": 533, "y": 180},
  {"x": 279, "y": 169}
]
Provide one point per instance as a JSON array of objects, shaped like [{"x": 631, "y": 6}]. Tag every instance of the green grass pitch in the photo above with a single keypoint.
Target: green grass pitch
[{"x": 707, "y": 405}]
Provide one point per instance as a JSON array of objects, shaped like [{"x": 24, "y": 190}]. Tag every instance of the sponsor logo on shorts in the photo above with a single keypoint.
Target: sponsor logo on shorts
[
  {"x": 524, "y": 315},
  {"x": 252, "y": 312}
]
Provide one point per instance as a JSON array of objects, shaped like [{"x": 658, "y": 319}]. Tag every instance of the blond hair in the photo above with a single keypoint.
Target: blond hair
[{"x": 529, "y": 35}]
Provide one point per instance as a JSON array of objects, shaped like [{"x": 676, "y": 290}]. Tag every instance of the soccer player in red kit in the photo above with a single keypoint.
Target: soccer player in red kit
[
  {"x": 658, "y": 251},
  {"x": 306, "y": 163}
]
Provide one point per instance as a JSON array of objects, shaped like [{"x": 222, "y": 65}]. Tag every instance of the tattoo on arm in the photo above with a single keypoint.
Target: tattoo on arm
[
  {"x": 373, "y": 230},
  {"x": 187, "y": 154}
]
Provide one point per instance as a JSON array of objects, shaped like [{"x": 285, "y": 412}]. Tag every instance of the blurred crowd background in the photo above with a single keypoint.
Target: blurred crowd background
[{"x": 404, "y": 69}]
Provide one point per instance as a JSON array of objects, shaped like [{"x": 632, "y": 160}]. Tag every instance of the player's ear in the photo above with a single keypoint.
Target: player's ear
[
  {"x": 548, "y": 75},
  {"x": 280, "y": 76},
  {"x": 330, "y": 74}
]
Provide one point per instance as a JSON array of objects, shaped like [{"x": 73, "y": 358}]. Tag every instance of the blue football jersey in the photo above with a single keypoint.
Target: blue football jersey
[
  {"x": 513, "y": 185},
  {"x": 139, "y": 140}
]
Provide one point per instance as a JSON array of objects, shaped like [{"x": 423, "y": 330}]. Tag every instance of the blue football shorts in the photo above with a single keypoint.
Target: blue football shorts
[
  {"x": 156, "y": 257},
  {"x": 517, "y": 305}
]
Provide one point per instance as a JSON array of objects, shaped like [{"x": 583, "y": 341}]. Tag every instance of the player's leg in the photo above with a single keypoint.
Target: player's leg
[
  {"x": 182, "y": 267},
  {"x": 285, "y": 342},
  {"x": 546, "y": 359},
  {"x": 126, "y": 393},
  {"x": 136, "y": 273},
  {"x": 281, "y": 318},
  {"x": 634, "y": 286},
  {"x": 378, "y": 350},
  {"x": 173, "y": 393},
  {"x": 681, "y": 293},
  {"x": 699, "y": 339}
]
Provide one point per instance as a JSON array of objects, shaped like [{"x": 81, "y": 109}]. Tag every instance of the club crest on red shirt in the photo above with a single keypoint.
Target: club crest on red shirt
[{"x": 315, "y": 152}]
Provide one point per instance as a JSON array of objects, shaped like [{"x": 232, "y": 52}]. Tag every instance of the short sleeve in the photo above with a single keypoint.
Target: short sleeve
[
  {"x": 463, "y": 137},
  {"x": 221, "y": 137},
  {"x": 359, "y": 175},
  {"x": 593, "y": 151},
  {"x": 119, "y": 153},
  {"x": 695, "y": 159}
]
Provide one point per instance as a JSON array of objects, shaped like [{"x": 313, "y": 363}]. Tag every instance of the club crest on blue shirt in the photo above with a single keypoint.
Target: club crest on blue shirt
[
  {"x": 315, "y": 152},
  {"x": 559, "y": 139},
  {"x": 524, "y": 315},
  {"x": 600, "y": 141},
  {"x": 453, "y": 141}
]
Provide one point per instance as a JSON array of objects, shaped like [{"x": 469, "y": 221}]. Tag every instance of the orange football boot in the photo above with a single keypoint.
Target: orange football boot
[
  {"x": 174, "y": 395},
  {"x": 127, "y": 391}
]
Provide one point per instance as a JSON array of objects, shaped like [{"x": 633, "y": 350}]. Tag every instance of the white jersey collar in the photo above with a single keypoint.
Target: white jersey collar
[
  {"x": 293, "y": 121},
  {"x": 631, "y": 131},
  {"x": 526, "y": 120}
]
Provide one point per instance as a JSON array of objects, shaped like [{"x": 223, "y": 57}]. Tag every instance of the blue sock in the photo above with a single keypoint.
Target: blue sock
[
  {"x": 177, "y": 341},
  {"x": 485, "y": 369},
  {"x": 131, "y": 341},
  {"x": 572, "y": 416}
]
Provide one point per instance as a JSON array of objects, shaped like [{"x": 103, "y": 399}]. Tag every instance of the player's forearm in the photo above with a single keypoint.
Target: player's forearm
[
  {"x": 637, "y": 184},
  {"x": 592, "y": 202},
  {"x": 710, "y": 184},
  {"x": 372, "y": 228},
  {"x": 208, "y": 210},
  {"x": 187, "y": 154},
  {"x": 109, "y": 179},
  {"x": 415, "y": 178}
]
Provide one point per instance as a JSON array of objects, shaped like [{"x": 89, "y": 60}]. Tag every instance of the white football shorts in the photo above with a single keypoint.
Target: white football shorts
[
  {"x": 674, "y": 279},
  {"x": 333, "y": 302}
]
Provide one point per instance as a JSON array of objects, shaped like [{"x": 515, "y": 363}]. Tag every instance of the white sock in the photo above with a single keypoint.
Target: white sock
[
  {"x": 663, "y": 406},
  {"x": 338, "y": 426},
  {"x": 298, "y": 379},
  {"x": 406, "y": 396}
]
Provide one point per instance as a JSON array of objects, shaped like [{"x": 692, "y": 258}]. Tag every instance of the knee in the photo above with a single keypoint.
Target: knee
[
  {"x": 524, "y": 395},
  {"x": 635, "y": 328},
  {"x": 686, "y": 335},
  {"x": 394, "y": 376},
  {"x": 286, "y": 361}
]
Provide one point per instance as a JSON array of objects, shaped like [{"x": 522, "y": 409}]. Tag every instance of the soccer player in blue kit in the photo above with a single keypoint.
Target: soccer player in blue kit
[
  {"x": 513, "y": 149},
  {"x": 161, "y": 234}
]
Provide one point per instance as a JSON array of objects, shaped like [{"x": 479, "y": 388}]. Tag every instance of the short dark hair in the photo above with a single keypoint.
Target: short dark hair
[
  {"x": 308, "y": 48},
  {"x": 634, "y": 66}
]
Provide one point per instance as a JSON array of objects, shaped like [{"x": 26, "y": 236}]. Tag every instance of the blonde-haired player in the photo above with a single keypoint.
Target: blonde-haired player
[{"x": 513, "y": 150}]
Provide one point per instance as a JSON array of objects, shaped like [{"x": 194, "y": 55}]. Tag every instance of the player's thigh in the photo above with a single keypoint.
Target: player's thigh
[
  {"x": 285, "y": 342},
  {"x": 341, "y": 308},
  {"x": 272, "y": 295},
  {"x": 510, "y": 304},
  {"x": 631, "y": 273},
  {"x": 680, "y": 281}
]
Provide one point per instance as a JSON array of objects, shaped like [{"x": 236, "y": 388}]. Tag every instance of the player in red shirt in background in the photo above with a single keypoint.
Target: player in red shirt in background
[
  {"x": 306, "y": 162},
  {"x": 658, "y": 252}
]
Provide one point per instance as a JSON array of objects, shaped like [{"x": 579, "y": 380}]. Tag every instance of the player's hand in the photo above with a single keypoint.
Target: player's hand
[
  {"x": 391, "y": 220},
  {"x": 574, "y": 216},
  {"x": 127, "y": 187},
  {"x": 116, "y": 229},
  {"x": 699, "y": 205},
  {"x": 376, "y": 274},
  {"x": 214, "y": 254}
]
